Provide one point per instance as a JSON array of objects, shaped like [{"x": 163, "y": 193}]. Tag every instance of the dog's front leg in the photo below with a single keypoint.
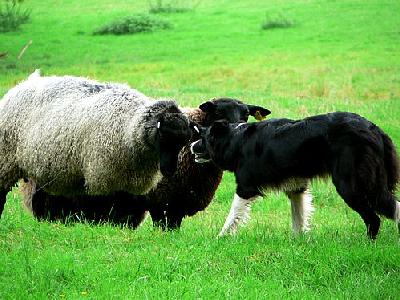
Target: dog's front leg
[{"x": 239, "y": 214}]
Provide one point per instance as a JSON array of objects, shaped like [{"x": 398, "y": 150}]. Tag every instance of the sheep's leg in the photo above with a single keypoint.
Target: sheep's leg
[
  {"x": 174, "y": 222},
  {"x": 136, "y": 220},
  {"x": 239, "y": 214},
  {"x": 165, "y": 219},
  {"x": 3, "y": 198},
  {"x": 159, "y": 218}
]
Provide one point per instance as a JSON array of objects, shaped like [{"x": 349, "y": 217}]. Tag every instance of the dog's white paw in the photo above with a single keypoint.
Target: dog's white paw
[{"x": 226, "y": 232}]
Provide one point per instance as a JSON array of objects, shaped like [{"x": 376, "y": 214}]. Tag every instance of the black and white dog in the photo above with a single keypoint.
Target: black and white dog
[{"x": 285, "y": 154}]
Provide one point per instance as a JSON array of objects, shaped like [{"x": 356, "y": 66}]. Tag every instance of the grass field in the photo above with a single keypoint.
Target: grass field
[{"x": 339, "y": 55}]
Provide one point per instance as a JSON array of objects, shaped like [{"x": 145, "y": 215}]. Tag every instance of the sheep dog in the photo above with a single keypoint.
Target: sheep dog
[
  {"x": 188, "y": 191},
  {"x": 285, "y": 154}
]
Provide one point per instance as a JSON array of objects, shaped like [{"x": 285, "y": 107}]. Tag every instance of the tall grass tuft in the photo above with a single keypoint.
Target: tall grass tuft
[
  {"x": 12, "y": 15},
  {"x": 276, "y": 20},
  {"x": 134, "y": 24}
]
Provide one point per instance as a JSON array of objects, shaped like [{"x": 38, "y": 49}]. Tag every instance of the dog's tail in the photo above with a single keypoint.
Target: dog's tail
[
  {"x": 391, "y": 161},
  {"x": 390, "y": 205}
]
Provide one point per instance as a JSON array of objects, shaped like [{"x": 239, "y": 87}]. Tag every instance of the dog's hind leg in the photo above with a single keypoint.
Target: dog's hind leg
[
  {"x": 356, "y": 200},
  {"x": 302, "y": 209},
  {"x": 371, "y": 220},
  {"x": 355, "y": 184},
  {"x": 239, "y": 214}
]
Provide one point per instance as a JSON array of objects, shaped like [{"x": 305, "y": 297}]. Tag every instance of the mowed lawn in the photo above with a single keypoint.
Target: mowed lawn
[{"x": 339, "y": 55}]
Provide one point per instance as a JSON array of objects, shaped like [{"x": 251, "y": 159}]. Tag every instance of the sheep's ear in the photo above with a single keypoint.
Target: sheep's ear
[
  {"x": 208, "y": 107},
  {"x": 258, "y": 112},
  {"x": 219, "y": 128},
  {"x": 162, "y": 120}
]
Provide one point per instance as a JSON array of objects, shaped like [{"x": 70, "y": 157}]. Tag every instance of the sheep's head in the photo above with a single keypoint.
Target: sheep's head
[{"x": 174, "y": 131}]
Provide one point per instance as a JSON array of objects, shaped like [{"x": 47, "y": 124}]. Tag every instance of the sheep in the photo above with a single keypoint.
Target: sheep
[
  {"x": 74, "y": 136},
  {"x": 187, "y": 192}
]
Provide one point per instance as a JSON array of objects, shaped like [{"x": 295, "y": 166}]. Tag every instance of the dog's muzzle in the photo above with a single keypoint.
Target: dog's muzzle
[{"x": 200, "y": 152}]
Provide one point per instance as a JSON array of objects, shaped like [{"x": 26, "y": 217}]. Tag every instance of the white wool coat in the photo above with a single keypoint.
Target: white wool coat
[{"x": 78, "y": 136}]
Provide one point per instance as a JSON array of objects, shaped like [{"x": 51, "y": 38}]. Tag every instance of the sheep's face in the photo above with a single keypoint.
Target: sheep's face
[
  {"x": 174, "y": 133},
  {"x": 231, "y": 110}
]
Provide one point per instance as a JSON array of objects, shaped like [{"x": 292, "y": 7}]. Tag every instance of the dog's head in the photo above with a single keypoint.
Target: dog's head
[
  {"x": 219, "y": 114},
  {"x": 231, "y": 110},
  {"x": 213, "y": 141}
]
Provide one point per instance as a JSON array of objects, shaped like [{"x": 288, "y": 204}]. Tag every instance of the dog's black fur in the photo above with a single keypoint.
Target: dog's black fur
[{"x": 358, "y": 155}]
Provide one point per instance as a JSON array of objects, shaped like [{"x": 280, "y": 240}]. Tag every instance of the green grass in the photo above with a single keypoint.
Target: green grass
[{"x": 341, "y": 55}]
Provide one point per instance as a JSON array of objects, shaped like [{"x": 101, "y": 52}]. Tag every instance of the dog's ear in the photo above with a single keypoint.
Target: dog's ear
[
  {"x": 258, "y": 112},
  {"x": 219, "y": 128},
  {"x": 208, "y": 107}
]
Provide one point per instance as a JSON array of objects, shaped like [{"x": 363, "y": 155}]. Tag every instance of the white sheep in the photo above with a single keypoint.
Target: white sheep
[{"x": 75, "y": 136}]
